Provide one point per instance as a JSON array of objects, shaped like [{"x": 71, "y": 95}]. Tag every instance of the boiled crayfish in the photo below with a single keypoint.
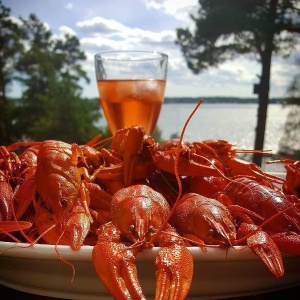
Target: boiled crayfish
[
  {"x": 138, "y": 213},
  {"x": 128, "y": 193},
  {"x": 15, "y": 180},
  {"x": 62, "y": 208}
]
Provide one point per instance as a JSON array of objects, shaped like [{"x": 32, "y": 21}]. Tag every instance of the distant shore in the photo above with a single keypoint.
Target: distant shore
[{"x": 236, "y": 100}]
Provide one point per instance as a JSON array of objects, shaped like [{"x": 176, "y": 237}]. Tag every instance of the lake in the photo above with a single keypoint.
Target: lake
[{"x": 235, "y": 123}]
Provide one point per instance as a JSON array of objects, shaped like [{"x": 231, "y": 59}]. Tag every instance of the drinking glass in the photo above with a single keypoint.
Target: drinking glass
[{"x": 131, "y": 86}]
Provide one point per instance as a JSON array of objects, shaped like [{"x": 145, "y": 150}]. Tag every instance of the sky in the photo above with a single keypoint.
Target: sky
[{"x": 104, "y": 25}]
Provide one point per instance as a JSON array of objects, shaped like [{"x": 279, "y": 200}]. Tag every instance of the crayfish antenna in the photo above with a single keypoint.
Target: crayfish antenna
[
  {"x": 176, "y": 171},
  {"x": 94, "y": 140},
  {"x": 16, "y": 145},
  {"x": 64, "y": 260}
]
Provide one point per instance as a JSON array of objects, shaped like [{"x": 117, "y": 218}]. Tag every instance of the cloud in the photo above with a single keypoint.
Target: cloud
[
  {"x": 283, "y": 72},
  {"x": 110, "y": 34},
  {"x": 99, "y": 25},
  {"x": 178, "y": 9},
  {"x": 69, "y": 6},
  {"x": 92, "y": 44},
  {"x": 15, "y": 20},
  {"x": 67, "y": 30}
]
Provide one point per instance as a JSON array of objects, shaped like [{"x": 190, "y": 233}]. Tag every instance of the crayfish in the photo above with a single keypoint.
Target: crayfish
[
  {"x": 127, "y": 193},
  {"x": 138, "y": 212}
]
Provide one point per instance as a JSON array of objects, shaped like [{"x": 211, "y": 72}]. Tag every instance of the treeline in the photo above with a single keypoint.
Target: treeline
[
  {"x": 49, "y": 71},
  {"x": 220, "y": 100}
]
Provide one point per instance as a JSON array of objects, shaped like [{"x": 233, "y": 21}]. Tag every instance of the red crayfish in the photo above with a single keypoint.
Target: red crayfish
[{"x": 136, "y": 193}]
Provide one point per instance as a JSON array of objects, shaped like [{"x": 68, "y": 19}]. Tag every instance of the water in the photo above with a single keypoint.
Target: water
[{"x": 234, "y": 123}]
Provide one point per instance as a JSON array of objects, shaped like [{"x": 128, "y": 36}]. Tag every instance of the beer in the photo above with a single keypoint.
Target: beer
[{"x": 131, "y": 102}]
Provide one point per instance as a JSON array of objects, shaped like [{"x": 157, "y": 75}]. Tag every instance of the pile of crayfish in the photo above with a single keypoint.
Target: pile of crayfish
[{"x": 127, "y": 193}]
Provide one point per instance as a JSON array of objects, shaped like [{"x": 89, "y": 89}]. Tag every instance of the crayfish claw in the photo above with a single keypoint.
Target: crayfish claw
[
  {"x": 122, "y": 279},
  {"x": 174, "y": 269},
  {"x": 268, "y": 252},
  {"x": 265, "y": 248},
  {"x": 78, "y": 227}
]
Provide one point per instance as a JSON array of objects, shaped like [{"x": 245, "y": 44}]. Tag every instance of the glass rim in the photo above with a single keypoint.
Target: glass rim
[{"x": 159, "y": 55}]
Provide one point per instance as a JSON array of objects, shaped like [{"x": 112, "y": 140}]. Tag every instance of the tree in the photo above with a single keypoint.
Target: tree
[
  {"x": 289, "y": 144},
  {"x": 11, "y": 45},
  {"x": 49, "y": 70},
  {"x": 51, "y": 106},
  {"x": 225, "y": 29}
]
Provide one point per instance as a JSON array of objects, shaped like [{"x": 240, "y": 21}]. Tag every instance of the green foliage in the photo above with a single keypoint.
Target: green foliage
[
  {"x": 227, "y": 28},
  {"x": 289, "y": 144},
  {"x": 11, "y": 46},
  {"x": 294, "y": 88},
  {"x": 49, "y": 70},
  {"x": 157, "y": 135}
]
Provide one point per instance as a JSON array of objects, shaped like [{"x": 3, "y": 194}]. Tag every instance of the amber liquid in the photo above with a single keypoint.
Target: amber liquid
[{"x": 131, "y": 102}]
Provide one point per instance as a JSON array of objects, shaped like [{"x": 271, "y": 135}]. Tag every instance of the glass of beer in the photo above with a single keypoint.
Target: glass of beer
[{"x": 131, "y": 87}]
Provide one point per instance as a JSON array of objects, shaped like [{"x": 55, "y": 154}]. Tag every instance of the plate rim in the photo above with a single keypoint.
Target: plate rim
[{"x": 50, "y": 252}]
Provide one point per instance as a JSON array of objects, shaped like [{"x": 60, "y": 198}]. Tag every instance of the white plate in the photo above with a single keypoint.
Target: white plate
[{"x": 217, "y": 273}]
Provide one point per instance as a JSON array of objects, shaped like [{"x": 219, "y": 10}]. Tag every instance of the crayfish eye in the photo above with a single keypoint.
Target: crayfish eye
[
  {"x": 64, "y": 202},
  {"x": 210, "y": 231},
  {"x": 290, "y": 227},
  {"x": 132, "y": 228},
  {"x": 151, "y": 229}
]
